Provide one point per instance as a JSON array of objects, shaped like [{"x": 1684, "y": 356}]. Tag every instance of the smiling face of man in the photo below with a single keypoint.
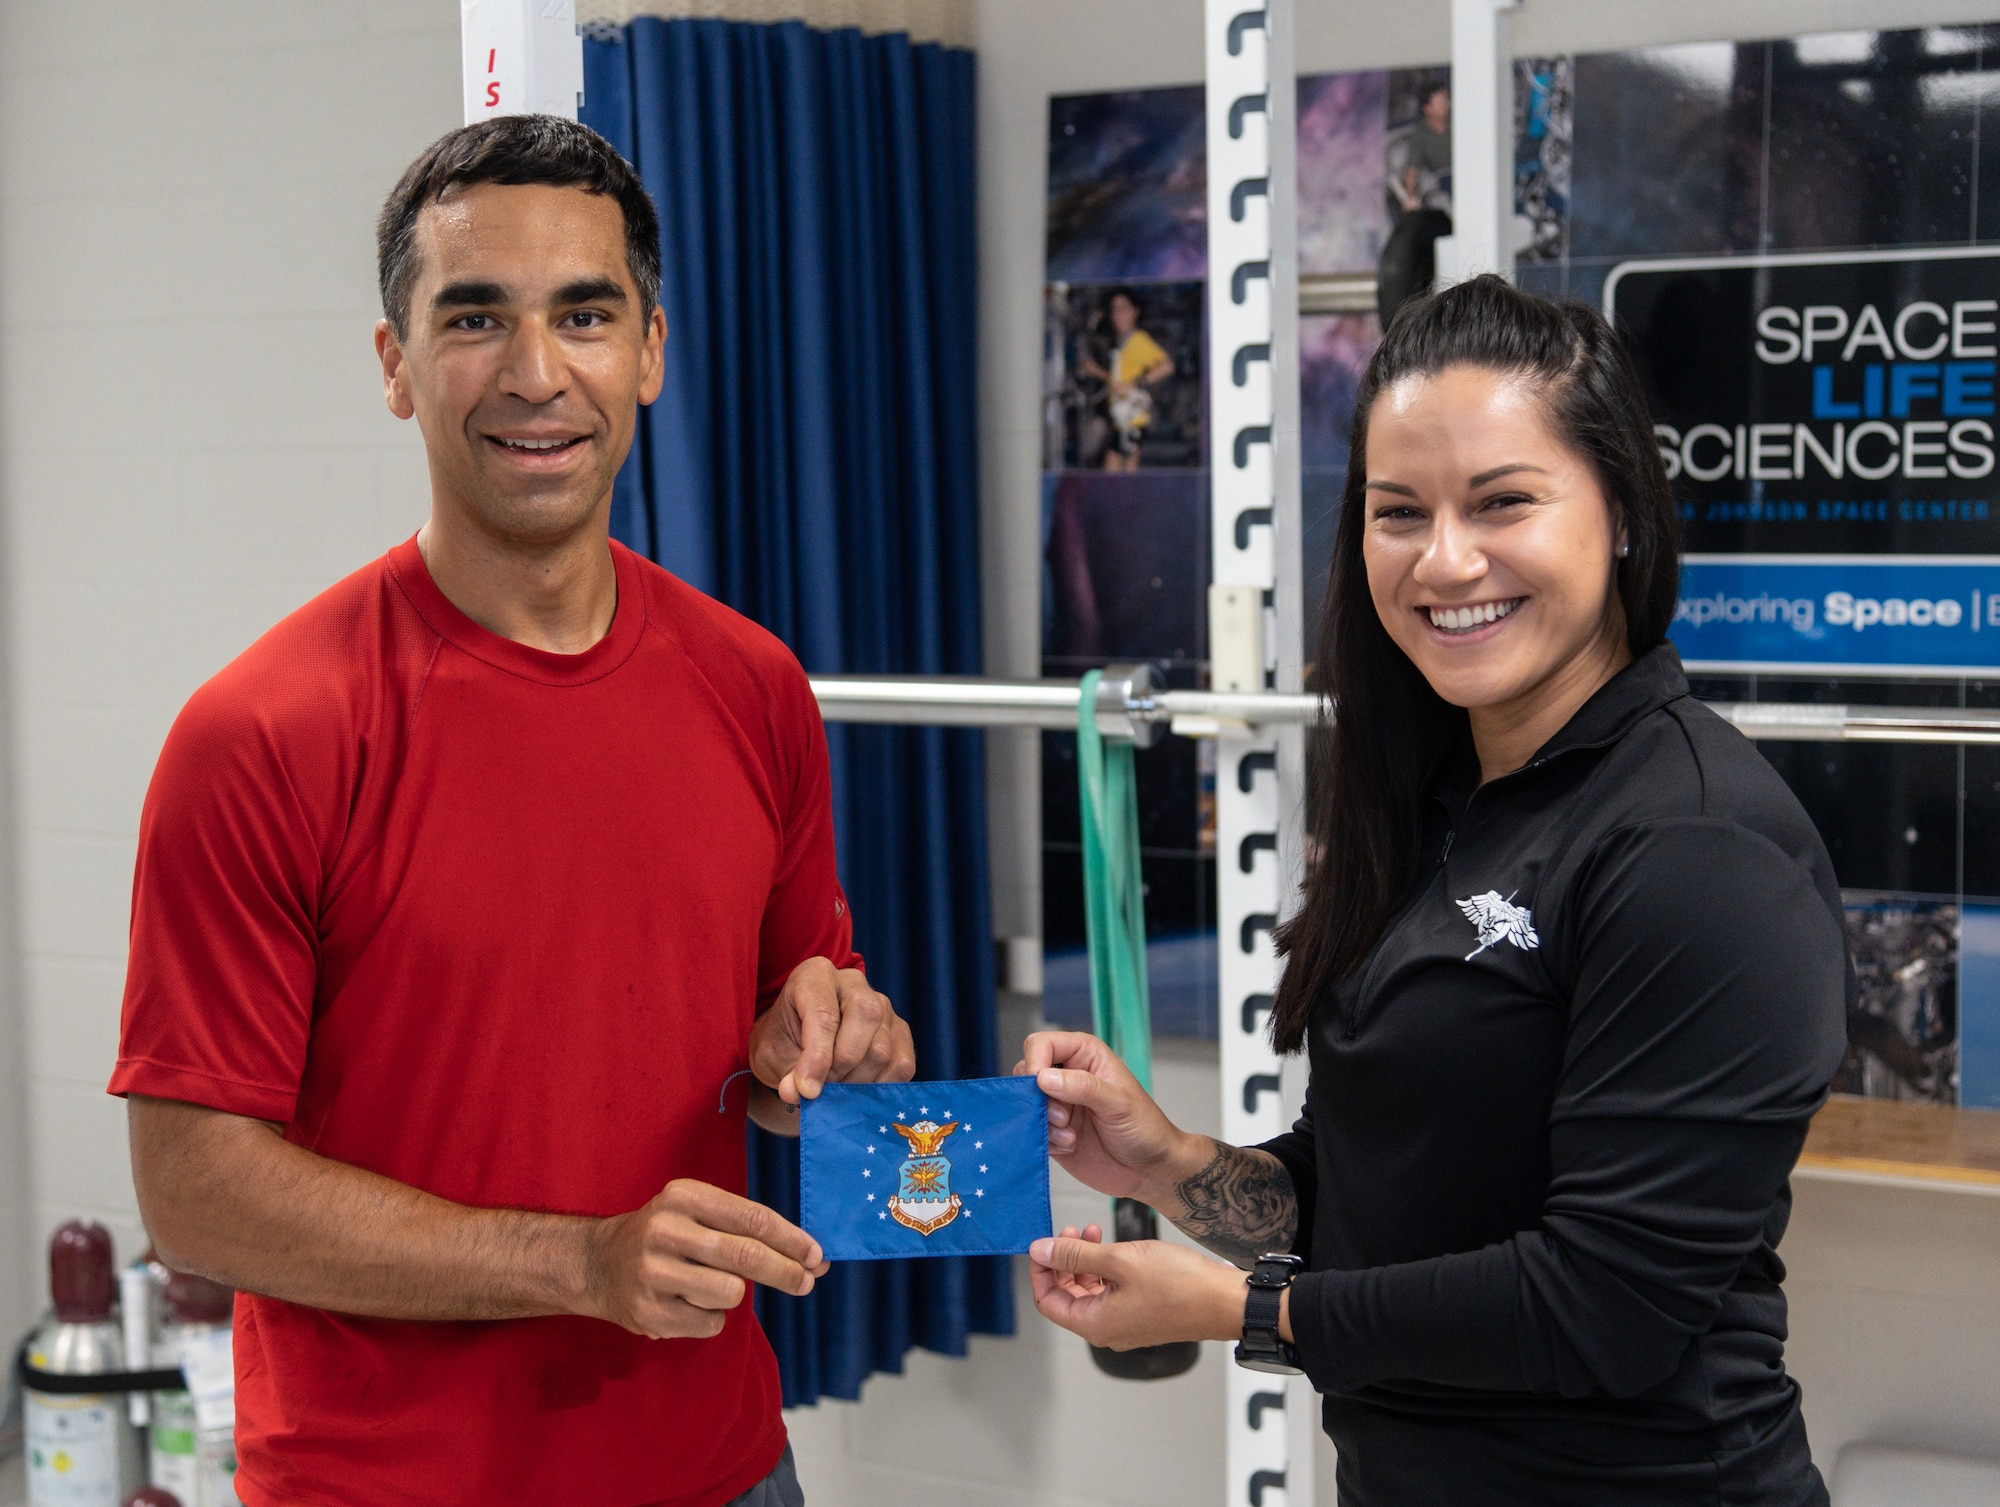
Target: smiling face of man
[{"x": 525, "y": 356}]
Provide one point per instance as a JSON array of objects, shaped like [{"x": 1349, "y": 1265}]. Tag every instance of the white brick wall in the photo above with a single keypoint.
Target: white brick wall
[{"x": 192, "y": 442}]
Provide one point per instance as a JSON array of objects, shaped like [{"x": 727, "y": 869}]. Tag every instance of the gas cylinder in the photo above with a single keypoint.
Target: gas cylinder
[
  {"x": 197, "y": 1464},
  {"x": 82, "y": 1448},
  {"x": 139, "y": 1287}
]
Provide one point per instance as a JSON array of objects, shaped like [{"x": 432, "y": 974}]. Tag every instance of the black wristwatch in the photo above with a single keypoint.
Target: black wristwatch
[{"x": 1261, "y": 1348}]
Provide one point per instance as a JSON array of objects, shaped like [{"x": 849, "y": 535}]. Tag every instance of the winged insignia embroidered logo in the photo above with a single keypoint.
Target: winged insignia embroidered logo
[{"x": 1498, "y": 921}]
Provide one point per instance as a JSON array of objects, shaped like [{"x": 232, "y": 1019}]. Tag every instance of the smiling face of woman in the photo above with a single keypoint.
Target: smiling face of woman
[{"x": 1490, "y": 551}]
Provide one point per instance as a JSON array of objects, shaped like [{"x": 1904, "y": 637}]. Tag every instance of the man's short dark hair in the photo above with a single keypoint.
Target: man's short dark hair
[{"x": 513, "y": 149}]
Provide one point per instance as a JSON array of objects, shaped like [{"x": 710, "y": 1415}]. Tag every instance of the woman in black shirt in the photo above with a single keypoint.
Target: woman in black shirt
[{"x": 1570, "y": 970}]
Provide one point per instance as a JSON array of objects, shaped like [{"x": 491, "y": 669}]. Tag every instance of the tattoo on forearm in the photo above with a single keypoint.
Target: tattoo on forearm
[{"x": 1240, "y": 1205}]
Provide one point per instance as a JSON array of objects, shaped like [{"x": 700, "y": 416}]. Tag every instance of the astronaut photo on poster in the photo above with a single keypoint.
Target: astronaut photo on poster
[{"x": 1902, "y": 1039}]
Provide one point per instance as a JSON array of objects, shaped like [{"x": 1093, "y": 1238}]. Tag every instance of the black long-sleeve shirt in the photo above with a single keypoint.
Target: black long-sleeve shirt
[{"x": 1543, "y": 1167}]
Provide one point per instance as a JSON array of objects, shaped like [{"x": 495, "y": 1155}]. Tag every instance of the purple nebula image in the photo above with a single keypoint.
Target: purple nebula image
[
  {"x": 1343, "y": 217},
  {"x": 1333, "y": 353},
  {"x": 1128, "y": 186}
]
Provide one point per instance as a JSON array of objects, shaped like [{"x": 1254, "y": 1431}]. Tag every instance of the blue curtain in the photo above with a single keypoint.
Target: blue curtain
[{"x": 811, "y": 462}]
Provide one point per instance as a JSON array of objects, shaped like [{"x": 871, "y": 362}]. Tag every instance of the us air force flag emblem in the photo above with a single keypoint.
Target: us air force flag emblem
[
  {"x": 1498, "y": 921},
  {"x": 956, "y": 1168},
  {"x": 923, "y": 1199}
]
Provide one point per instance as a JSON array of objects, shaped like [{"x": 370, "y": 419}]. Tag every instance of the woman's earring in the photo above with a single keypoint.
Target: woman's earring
[{"x": 1624, "y": 550}]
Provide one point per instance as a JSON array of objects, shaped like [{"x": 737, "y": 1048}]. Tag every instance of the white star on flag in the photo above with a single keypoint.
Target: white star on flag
[
  {"x": 871, "y": 1198},
  {"x": 982, "y": 1166},
  {"x": 871, "y": 1149},
  {"x": 978, "y": 1145},
  {"x": 870, "y": 1171},
  {"x": 923, "y": 1109},
  {"x": 882, "y": 1214},
  {"x": 901, "y": 1116},
  {"x": 978, "y": 1192},
  {"x": 880, "y": 1130}
]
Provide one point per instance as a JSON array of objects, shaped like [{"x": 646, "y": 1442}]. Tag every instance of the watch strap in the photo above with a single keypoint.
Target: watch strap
[
  {"x": 1262, "y": 1348},
  {"x": 1260, "y": 1312}
]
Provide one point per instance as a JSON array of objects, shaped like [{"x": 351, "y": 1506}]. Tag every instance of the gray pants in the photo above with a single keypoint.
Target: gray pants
[{"x": 779, "y": 1489}]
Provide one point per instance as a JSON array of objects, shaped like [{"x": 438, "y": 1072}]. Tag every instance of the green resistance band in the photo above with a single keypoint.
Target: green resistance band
[{"x": 1113, "y": 893}]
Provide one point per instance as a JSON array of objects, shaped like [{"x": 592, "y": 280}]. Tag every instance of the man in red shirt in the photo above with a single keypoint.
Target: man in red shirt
[{"x": 464, "y": 897}]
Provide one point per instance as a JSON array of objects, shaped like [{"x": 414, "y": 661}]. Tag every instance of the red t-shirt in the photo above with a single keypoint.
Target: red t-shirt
[{"x": 493, "y": 922}]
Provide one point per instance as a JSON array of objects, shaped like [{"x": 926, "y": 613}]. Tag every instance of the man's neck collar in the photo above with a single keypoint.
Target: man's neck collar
[{"x": 560, "y": 598}]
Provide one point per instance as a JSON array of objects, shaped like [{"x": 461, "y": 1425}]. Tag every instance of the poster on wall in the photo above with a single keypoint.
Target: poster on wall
[
  {"x": 1827, "y": 420},
  {"x": 1125, "y": 510}
]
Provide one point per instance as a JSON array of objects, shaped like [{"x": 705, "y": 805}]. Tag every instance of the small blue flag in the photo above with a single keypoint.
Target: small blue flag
[{"x": 925, "y": 1169}]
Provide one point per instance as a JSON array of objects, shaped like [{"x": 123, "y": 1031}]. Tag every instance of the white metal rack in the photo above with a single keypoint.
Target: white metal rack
[{"x": 1256, "y": 634}]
